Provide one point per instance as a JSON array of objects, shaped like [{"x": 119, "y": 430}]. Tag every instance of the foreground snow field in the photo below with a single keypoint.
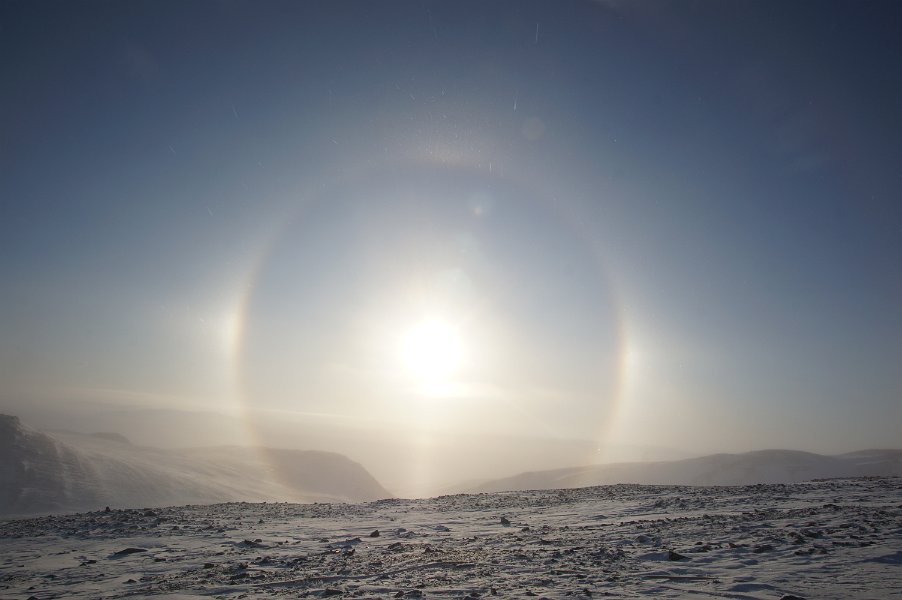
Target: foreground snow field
[{"x": 826, "y": 539}]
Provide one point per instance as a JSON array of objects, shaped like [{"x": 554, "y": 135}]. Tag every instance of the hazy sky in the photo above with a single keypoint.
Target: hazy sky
[{"x": 455, "y": 238}]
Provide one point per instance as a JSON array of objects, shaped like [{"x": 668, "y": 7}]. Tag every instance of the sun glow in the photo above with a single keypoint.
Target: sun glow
[{"x": 432, "y": 351}]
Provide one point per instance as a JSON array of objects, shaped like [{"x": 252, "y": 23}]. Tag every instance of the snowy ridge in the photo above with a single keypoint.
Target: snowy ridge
[
  {"x": 762, "y": 466},
  {"x": 64, "y": 472}
]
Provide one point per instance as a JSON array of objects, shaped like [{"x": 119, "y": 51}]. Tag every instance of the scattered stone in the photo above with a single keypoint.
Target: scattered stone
[{"x": 469, "y": 558}]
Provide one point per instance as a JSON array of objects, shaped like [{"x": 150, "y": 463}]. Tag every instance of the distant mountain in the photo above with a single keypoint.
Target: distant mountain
[
  {"x": 63, "y": 472},
  {"x": 763, "y": 466}
]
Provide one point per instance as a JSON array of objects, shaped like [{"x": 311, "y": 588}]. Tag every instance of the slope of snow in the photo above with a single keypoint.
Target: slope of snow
[
  {"x": 62, "y": 472},
  {"x": 763, "y": 466},
  {"x": 827, "y": 539}
]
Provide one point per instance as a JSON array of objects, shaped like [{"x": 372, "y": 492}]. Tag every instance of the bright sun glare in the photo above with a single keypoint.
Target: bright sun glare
[{"x": 432, "y": 351}]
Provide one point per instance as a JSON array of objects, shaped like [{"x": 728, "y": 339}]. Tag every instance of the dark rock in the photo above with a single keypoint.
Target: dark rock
[
  {"x": 505, "y": 521},
  {"x": 209, "y": 565},
  {"x": 375, "y": 534},
  {"x": 126, "y": 551},
  {"x": 671, "y": 555},
  {"x": 332, "y": 592},
  {"x": 762, "y": 548},
  {"x": 790, "y": 597}
]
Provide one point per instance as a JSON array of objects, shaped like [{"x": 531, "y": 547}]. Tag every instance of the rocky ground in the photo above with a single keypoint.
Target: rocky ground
[{"x": 827, "y": 539}]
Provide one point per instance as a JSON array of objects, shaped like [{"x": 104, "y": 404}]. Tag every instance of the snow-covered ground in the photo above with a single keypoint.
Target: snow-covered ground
[{"x": 826, "y": 539}]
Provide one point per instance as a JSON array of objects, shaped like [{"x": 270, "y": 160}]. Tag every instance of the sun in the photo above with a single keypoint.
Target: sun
[{"x": 432, "y": 351}]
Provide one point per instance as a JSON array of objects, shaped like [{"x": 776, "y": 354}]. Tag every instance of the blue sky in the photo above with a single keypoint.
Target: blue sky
[{"x": 653, "y": 224}]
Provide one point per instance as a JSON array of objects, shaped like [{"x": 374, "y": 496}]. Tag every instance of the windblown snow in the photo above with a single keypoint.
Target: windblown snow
[{"x": 64, "y": 472}]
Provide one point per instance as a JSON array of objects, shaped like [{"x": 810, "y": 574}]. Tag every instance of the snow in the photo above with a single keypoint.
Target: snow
[
  {"x": 762, "y": 466},
  {"x": 64, "y": 472},
  {"x": 824, "y": 539}
]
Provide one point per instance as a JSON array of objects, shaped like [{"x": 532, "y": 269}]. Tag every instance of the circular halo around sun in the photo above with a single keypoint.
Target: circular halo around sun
[{"x": 432, "y": 351}]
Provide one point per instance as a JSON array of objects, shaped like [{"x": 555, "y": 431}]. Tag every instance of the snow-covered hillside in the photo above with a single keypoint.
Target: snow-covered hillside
[
  {"x": 60, "y": 472},
  {"x": 764, "y": 466}
]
